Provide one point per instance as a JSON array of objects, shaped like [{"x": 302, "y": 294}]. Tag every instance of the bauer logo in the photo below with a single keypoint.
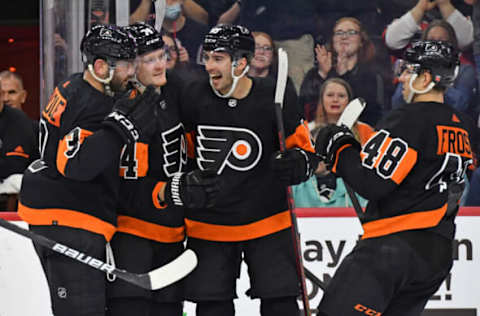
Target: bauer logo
[
  {"x": 80, "y": 256},
  {"x": 218, "y": 147}
]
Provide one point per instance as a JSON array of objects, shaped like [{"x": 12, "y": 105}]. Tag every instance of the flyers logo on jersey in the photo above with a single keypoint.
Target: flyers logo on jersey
[
  {"x": 218, "y": 147},
  {"x": 175, "y": 150}
]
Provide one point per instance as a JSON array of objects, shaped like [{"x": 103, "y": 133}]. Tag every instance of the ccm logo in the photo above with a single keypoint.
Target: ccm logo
[
  {"x": 80, "y": 256},
  {"x": 367, "y": 311},
  {"x": 125, "y": 122}
]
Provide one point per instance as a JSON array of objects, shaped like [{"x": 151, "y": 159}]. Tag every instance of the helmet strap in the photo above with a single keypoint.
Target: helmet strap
[
  {"x": 234, "y": 83},
  {"x": 414, "y": 91},
  {"x": 106, "y": 81}
]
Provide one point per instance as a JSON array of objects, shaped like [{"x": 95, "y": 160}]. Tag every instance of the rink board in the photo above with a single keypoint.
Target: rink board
[{"x": 327, "y": 236}]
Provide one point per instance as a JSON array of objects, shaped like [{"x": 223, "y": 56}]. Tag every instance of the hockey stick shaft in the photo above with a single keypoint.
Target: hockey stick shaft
[
  {"x": 153, "y": 280},
  {"x": 295, "y": 232},
  {"x": 314, "y": 279}
]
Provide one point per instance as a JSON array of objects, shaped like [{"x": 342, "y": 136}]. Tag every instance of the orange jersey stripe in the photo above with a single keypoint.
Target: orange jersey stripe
[
  {"x": 147, "y": 230},
  {"x": 65, "y": 217},
  {"x": 155, "y": 197},
  {"x": 14, "y": 153},
  {"x": 301, "y": 139},
  {"x": 253, "y": 230},
  {"x": 334, "y": 168},
  {"x": 63, "y": 147},
  {"x": 417, "y": 220},
  {"x": 364, "y": 130}
]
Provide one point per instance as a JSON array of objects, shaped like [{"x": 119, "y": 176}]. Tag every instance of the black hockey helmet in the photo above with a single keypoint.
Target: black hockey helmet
[
  {"x": 107, "y": 42},
  {"x": 438, "y": 57},
  {"x": 147, "y": 37},
  {"x": 235, "y": 40}
]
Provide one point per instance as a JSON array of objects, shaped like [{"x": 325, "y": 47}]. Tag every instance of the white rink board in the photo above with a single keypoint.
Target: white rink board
[{"x": 325, "y": 241}]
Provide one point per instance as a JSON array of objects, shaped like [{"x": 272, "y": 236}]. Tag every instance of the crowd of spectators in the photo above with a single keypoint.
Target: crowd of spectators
[{"x": 361, "y": 42}]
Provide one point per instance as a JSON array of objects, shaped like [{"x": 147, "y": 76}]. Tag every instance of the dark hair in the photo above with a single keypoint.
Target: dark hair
[{"x": 447, "y": 26}]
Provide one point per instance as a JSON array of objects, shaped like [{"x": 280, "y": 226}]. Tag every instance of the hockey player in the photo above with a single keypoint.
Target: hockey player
[
  {"x": 150, "y": 232},
  {"x": 231, "y": 120},
  {"x": 412, "y": 172},
  {"x": 71, "y": 193}
]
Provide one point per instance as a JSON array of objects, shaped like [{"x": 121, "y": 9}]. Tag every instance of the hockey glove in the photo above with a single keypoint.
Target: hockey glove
[
  {"x": 330, "y": 139},
  {"x": 326, "y": 186},
  {"x": 135, "y": 117},
  {"x": 293, "y": 166},
  {"x": 196, "y": 189}
]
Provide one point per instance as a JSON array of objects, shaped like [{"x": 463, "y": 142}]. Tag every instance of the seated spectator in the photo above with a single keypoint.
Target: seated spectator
[
  {"x": 461, "y": 95},
  {"x": 324, "y": 189},
  {"x": 13, "y": 93},
  {"x": 17, "y": 146},
  {"x": 349, "y": 57},
  {"x": 264, "y": 63},
  {"x": 402, "y": 31}
]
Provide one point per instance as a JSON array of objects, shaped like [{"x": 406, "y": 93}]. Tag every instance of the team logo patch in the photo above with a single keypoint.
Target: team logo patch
[{"x": 218, "y": 147}]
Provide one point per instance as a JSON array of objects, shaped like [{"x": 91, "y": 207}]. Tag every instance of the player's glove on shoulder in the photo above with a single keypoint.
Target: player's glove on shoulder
[
  {"x": 330, "y": 139},
  {"x": 135, "y": 117},
  {"x": 195, "y": 189},
  {"x": 294, "y": 166}
]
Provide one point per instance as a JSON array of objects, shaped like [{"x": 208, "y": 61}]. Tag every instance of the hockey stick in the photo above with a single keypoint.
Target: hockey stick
[
  {"x": 349, "y": 116},
  {"x": 314, "y": 279},
  {"x": 279, "y": 95},
  {"x": 153, "y": 280}
]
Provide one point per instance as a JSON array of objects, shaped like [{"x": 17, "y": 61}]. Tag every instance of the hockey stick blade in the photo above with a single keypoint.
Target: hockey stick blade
[
  {"x": 153, "y": 280},
  {"x": 281, "y": 76},
  {"x": 352, "y": 112},
  {"x": 349, "y": 116}
]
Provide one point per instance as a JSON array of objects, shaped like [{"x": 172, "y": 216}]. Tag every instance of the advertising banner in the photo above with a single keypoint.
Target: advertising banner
[{"x": 327, "y": 235}]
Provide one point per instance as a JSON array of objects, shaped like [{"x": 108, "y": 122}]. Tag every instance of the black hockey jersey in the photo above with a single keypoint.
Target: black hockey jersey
[
  {"x": 238, "y": 138},
  {"x": 411, "y": 170},
  {"x": 76, "y": 181},
  {"x": 145, "y": 168},
  {"x": 17, "y": 142}
]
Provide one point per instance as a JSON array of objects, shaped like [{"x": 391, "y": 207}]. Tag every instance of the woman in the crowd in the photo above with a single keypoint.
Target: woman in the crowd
[
  {"x": 348, "y": 56},
  {"x": 264, "y": 63},
  {"x": 324, "y": 189}
]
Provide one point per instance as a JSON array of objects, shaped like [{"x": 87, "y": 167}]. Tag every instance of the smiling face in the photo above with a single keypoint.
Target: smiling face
[
  {"x": 334, "y": 100},
  {"x": 219, "y": 67},
  {"x": 151, "y": 68},
  {"x": 346, "y": 38},
  {"x": 263, "y": 52}
]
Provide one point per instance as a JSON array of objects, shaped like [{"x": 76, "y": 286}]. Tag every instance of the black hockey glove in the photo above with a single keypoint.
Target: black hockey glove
[
  {"x": 136, "y": 117},
  {"x": 196, "y": 189},
  {"x": 326, "y": 186},
  {"x": 330, "y": 139},
  {"x": 293, "y": 166}
]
